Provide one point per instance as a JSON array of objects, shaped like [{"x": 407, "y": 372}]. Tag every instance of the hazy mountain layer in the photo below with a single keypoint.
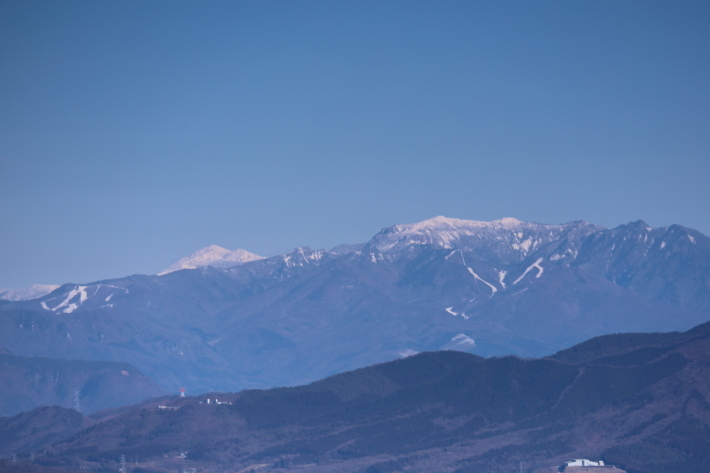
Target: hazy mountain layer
[{"x": 86, "y": 385}]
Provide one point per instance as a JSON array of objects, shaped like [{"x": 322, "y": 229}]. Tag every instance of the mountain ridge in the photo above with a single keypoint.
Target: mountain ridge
[{"x": 522, "y": 288}]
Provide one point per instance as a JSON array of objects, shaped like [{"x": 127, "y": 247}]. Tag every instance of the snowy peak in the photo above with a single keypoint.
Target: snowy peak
[
  {"x": 214, "y": 256},
  {"x": 442, "y": 223},
  {"x": 302, "y": 256},
  {"x": 506, "y": 234},
  {"x": 28, "y": 293}
]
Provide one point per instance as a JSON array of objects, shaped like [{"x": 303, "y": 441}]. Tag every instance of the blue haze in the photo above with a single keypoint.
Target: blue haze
[{"x": 133, "y": 133}]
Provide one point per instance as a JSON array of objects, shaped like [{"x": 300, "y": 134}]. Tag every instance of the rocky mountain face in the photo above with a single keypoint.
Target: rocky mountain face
[
  {"x": 489, "y": 288},
  {"x": 87, "y": 385},
  {"x": 637, "y": 401}
]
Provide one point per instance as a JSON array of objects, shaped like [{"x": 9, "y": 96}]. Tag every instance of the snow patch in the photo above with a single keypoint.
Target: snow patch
[
  {"x": 692, "y": 240},
  {"x": 316, "y": 255},
  {"x": 536, "y": 264},
  {"x": 476, "y": 276},
  {"x": 464, "y": 341},
  {"x": 507, "y": 222},
  {"x": 71, "y": 295},
  {"x": 74, "y": 299},
  {"x": 524, "y": 246},
  {"x": 501, "y": 278},
  {"x": 663, "y": 244},
  {"x": 70, "y": 308},
  {"x": 451, "y": 311},
  {"x": 408, "y": 352}
]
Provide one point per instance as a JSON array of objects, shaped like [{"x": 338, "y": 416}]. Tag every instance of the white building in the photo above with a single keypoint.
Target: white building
[{"x": 584, "y": 462}]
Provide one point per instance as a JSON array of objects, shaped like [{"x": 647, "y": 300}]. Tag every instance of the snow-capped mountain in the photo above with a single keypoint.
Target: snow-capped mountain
[
  {"x": 507, "y": 240},
  {"x": 28, "y": 293},
  {"x": 490, "y": 288},
  {"x": 214, "y": 256}
]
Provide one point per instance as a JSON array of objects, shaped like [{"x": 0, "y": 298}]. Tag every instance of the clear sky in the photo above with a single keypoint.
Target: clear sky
[{"x": 133, "y": 133}]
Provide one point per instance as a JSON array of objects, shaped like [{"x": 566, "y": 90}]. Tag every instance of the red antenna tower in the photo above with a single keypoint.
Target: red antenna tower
[{"x": 182, "y": 392}]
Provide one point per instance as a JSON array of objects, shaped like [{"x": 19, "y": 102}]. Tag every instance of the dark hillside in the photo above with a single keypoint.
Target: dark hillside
[
  {"x": 24, "y": 466},
  {"x": 620, "y": 343},
  {"x": 684, "y": 445},
  {"x": 31, "y": 431}
]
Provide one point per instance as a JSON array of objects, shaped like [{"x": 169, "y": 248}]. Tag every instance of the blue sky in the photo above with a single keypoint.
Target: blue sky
[{"x": 133, "y": 133}]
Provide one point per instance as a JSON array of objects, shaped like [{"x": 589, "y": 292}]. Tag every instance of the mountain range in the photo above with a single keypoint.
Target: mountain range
[
  {"x": 505, "y": 287},
  {"x": 639, "y": 401}
]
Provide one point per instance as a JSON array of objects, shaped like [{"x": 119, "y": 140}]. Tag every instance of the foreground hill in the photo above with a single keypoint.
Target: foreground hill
[
  {"x": 640, "y": 401},
  {"x": 94, "y": 385},
  {"x": 489, "y": 288}
]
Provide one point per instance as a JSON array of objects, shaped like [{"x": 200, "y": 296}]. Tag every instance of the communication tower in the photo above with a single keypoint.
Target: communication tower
[{"x": 77, "y": 400}]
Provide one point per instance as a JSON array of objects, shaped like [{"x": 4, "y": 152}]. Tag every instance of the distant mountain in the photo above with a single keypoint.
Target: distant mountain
[
  {"x": 32, "y": 292},
  {"x": 214, "y": 256},
  {"x": 489, "y": 288},
  {"x": 637, "y": 401},
  {"x": 94, "y": 385}
]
